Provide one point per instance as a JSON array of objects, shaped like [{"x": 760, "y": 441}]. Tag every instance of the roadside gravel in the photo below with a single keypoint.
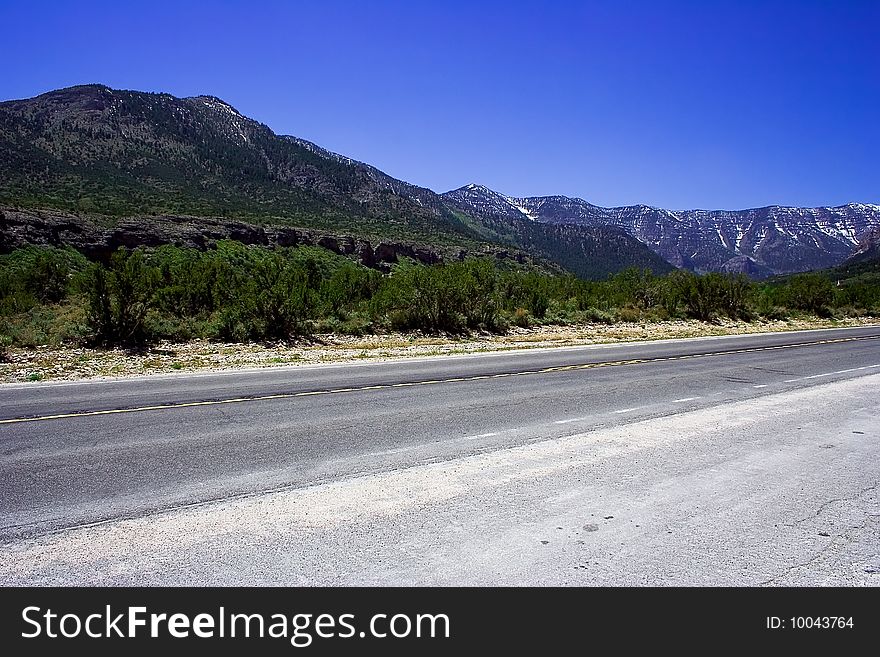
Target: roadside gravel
[{"x": 73, "y": 363}]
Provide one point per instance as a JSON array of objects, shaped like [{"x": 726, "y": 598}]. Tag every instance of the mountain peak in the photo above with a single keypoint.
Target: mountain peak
[
  {"x": 89, "y": 87},
  {"x": 73, "y": 93},
  {"x": 487, "y": 201},
  {"x": 863, "y": 207},
  {"x": 476, "y": 188},
  {"x": 217, "y": 104}
]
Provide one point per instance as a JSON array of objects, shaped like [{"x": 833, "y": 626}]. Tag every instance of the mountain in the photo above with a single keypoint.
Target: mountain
[
  {"x": 76, "y": 159},
  {"x": 99, "y": 150},
  {"x": 104, "y": 155},
  {"x": 588, "y": 251},
  {"x": 868, "y": 249},
  {"x": 759, "y": 242}
]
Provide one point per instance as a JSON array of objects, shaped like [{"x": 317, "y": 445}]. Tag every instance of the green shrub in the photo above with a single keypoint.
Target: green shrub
[
  {"x": 14, "y": 298},
  {"x": 598, "y": 316},
  {"x": 708, "y": 296},
  {"x": 231, "y": 324},
  {"x": 238, "y": 293},
  {"x": 283, "y": 298},
  {"x": 810, "y": 292},
  {"x": 636, "y": 288},
  {"x": 120, "y": 296},
  {"x": 450, "y": 298},
  {"x": 41, "y": 274},
  {"x": 629, "y": 314},
  {"x": 347, "y": 287}
]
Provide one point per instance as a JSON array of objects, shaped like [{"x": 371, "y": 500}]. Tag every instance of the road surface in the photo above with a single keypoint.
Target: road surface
[{"x": 738, "y": 460}]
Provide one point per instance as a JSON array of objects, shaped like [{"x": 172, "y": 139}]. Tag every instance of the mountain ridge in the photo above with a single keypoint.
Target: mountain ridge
[
  {"x": 97, "y": 151},
  {"x": 759, "y": 241},
  {"x": 119, "y": 153}
]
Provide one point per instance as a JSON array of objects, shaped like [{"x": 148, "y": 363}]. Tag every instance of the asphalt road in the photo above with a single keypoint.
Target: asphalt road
[{"x": 503, "y": 468}]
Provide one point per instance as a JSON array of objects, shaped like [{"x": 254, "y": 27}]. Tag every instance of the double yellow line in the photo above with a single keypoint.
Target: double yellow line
[{"x": 384, "y": 386}]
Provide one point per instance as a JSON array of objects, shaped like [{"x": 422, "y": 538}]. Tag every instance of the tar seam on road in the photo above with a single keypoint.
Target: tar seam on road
[{"x": 547, "y": 370}]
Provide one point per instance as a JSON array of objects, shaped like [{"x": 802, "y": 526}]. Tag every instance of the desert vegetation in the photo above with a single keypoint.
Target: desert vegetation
[{"x": 236, "y": 293}]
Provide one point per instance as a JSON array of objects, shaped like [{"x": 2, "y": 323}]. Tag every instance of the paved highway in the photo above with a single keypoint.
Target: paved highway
[{"x": 664, "y": 462}]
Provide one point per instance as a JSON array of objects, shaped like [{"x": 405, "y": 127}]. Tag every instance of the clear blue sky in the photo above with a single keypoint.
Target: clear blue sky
[{"x": 676, "y": 104}]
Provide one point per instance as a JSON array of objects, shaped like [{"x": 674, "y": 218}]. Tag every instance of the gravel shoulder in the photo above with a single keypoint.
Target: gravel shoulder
[{"x": 77, "y": 363}]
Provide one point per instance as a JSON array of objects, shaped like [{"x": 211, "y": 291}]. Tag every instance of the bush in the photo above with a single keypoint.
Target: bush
[
  {"x": 528, "y": 291},
  {"x": 709, "y": 296},
  {"x": 346, "y": 287},
  {"x": 809, "y": 292},
  {"x": 48, "y": 278},
  {"x": 14, "y": 298},
  {"x": 636, "y": 288},
  {"x": 5, "y": 343},
  {"x": 850, "y": 311},
  {"x": 231, "y": 325},
  {"x": 446, "y": 298},
  {"x": 701, "y": 296},
  {"x": 737, "y": 297},
  {"x": 562, "y": 311},
  {"x": 189, "y": 282},
  {"x": 43, "y": 273},
  {"x": 283, "y": 298},
  {"x": 120, "y": 296},
  {"x": 629, "y": 314},
  {"x": 597, "y": 316}
]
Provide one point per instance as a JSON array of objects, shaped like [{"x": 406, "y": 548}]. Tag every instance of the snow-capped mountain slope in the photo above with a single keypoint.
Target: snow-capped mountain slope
[
  {"x": 591, "y": 251},
  {"x": 483, "y": 201},
  {"x": 868, "y": 249},
  {"x": 759, "y": 241}
]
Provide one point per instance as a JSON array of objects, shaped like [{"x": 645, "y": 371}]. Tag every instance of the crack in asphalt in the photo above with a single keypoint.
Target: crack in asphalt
[
  {"x": 836, "y": 540},
  {"x": 825, "y": 505}
]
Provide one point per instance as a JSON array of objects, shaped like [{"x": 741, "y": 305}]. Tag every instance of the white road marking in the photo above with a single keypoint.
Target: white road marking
[
  {"x": 856, "y": 369},
  {"x": 819, "y": 376},
  {"x": 388, "y": 452},
  {"x": 684, "y": 399},
  {"x": 570, "y": 420},
  {"x": 763, "y": 385},
  {"x": 628, "y": 410}
]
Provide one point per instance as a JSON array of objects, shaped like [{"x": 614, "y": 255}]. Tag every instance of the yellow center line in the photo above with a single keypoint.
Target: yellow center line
[{"x": 290, "y": 395}]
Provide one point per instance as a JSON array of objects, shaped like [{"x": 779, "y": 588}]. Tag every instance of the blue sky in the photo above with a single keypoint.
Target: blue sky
[{"x": 675, "y": 104}]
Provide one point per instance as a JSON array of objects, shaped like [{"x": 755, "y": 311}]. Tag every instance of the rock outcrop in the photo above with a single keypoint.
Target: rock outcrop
[{"x": 97, "y": 238}]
